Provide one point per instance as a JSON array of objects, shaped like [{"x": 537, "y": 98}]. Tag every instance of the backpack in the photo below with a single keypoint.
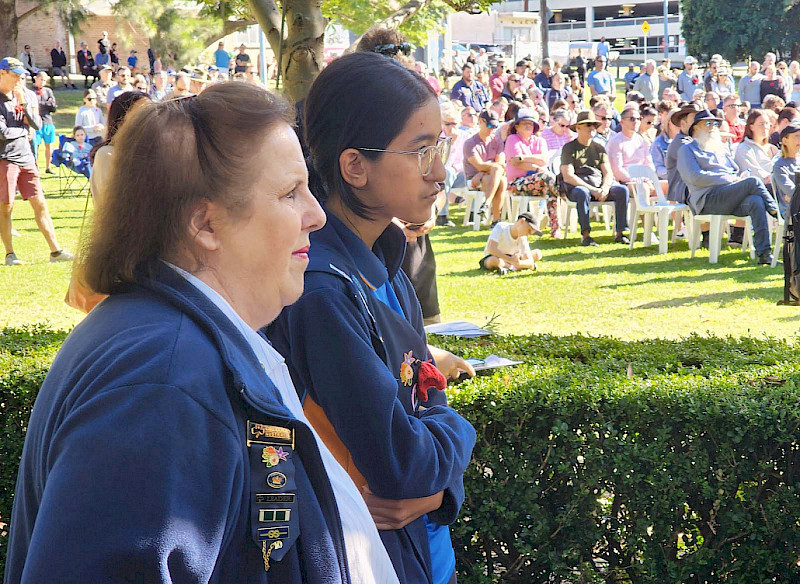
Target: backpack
[{"x": 791, "y": 250}]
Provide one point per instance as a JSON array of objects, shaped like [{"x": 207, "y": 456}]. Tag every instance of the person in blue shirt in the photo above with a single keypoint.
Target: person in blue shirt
[
  {"x": 600, "y": 81},
  {"x": 630, "y": 76},
  {"x": 603, "y": 48},
  {"x": 222, "y": 58},
  {"x": 133, "y": 59},
  {"x": 468, "y": 91},
  {"x": 101, "y": 59},
  {"x": 354, "y": 342},
  {"x": 167, "y": 443},
  {"x": 543, "y": 80}
]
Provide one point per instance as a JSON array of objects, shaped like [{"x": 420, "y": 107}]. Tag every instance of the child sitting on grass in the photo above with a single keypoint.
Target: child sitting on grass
[{"x": 508, "y": 249}]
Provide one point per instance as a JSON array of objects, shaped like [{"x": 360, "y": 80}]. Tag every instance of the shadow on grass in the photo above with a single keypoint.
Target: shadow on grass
[{"x": 718, "y": 297}]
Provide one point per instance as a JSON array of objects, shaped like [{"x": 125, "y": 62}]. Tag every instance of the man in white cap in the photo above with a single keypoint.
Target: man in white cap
[{"x": 689, "y": 80}]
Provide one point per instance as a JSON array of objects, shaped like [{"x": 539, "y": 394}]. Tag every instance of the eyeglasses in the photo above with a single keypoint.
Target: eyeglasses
[
  {"x": 712, "y": 124},
  {"x": 634, "y": 118},
  {"x": 425, "y": 157},
  {"x": 607, "y": 118},
  {"x": 733, "y": 105},
  {"x": 563, "y": 125}
]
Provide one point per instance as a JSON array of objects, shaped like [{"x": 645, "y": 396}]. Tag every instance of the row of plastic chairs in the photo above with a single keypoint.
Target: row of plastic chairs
[{"x": 656, "y": 214}]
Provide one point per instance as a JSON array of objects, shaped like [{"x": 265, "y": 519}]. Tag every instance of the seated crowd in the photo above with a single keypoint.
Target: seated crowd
[{"x": 719, "y": 148}]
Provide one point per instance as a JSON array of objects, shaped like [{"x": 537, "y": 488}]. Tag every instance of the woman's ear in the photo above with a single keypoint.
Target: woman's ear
[
  {"x": 202, "y": 221},
  {"x": 353, "y": 169}
]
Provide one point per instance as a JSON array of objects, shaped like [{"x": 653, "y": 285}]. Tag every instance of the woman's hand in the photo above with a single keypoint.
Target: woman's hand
[
  {"x": 451, "y": 366},
  {"x": 397, "y": 513}
]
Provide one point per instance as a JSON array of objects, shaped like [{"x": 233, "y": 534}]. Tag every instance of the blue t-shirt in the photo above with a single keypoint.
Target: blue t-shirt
[
  {"x": 602, "y": 82},
  {"x": 221, "y": 59},
  {"x": 443, "y": 557},
  {"x": 132, "y": 61},
  {"x": 602, "y": 50},
  {"x": 101, "y": 59}
]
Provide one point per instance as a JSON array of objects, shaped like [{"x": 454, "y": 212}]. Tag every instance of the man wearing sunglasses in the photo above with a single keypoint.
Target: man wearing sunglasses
[
  {"x": 628, "y": 146},
  {"x": 715, "y": 188},
  {"x": 485, "y": 162}
]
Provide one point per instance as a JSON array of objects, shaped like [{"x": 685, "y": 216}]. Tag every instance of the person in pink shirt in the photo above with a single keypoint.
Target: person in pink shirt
[
  {"x": 558, "y": 133},
  {"x": 628, "y": 147},
  {"x": 526, "y": 165},
  {"x": 422, "y": 69},
  {"x": 498, "y": 80}
]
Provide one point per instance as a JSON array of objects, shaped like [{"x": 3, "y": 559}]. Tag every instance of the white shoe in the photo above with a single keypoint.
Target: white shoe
[
  {"x": 681, "y": 234},
  {"x": 62, "y": 256},
  {"x": 653, "y": 239},
  {"x": 15, "y": 233},
  {"x": 13, "y": 260}
]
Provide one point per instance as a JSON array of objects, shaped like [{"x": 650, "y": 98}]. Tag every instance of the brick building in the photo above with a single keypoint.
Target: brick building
[{"x": 42, "y": 28}]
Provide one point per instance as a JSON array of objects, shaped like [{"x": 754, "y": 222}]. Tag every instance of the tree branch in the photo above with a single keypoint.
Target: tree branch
[
  {"x": 228, "y": 27},
  {"x": 396, "y": 19},
  {"x": 28, "y": 13},
  {"x": 268, "y": 16}
]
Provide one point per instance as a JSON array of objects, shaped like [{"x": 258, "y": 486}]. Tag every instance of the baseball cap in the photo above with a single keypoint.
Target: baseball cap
[
  {"x": 106, "y": 68},
  {"x": 689, "y": 60},
  {"x": 790, "y": 129},
  {"x": 529, "y": 219},
  {"x": 13, "y": 65},
  {"x": 490, "y": 117}
]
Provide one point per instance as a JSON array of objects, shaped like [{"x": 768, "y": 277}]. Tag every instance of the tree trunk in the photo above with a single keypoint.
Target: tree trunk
[
  {"x": 301, "y": 46},
  {"x": 8, "y": 28}
]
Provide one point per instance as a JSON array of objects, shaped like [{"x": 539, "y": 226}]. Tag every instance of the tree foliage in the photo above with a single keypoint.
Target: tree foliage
[
  {"x": 738, "y": 30},
  {"x": 174, "y": 29}
]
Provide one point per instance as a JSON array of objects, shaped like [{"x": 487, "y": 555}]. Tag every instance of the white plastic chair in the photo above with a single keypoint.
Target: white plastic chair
[
  {"x": 718, "y": 224},
  {"x": 780, "y": 231},
  {"x": 643, "y": 176},
  {"x": 474, "y": 200}
]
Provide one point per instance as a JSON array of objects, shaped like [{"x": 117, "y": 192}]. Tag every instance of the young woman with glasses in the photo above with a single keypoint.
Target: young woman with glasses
[{"x": 354, "y": 342}]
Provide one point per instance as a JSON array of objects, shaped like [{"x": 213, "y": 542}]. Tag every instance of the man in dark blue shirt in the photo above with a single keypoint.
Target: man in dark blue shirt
[
  {"x": 469, "y": 92},
  {"x": 542, "y": 79}
]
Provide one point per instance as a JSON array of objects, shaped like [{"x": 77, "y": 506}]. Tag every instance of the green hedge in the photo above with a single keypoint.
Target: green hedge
[
  {"x": 597, "y": 461},
  {"x": 644, "y": 462},
  {"x": 25, "y": 357}
]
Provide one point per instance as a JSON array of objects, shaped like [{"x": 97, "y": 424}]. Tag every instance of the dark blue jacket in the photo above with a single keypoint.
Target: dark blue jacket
[
  {"x": 346, "y": 349},
  {"x": 136, "y": 465}
]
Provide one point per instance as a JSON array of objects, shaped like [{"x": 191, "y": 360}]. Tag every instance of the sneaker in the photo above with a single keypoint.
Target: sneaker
[
  {"x": 62, "y": 256},
  {"x": 736, "y": 237},
  {"x": 556, "y": 234},
  {"x": 458, "y": 200},
  {"x": 443, "y": 221},
  {"x": 681, "y": 234},
  {"x": 767, "y": 259},
  {"x": 502, "y": 271},
  {"x": 15, "y": 233},
  {"x": 49, "y": 171},
  {"x": 623, "y": 239},
  {"x": 653, "y": 239},
  {"x": 13, "y": 260},
  {"x": 588, "y": 241}
]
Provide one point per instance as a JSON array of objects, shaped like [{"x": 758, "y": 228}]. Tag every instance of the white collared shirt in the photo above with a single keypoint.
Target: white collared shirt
[{"x": 366, "y": 556}]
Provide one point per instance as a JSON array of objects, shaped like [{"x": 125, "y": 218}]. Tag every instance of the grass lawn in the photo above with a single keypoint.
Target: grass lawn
[{"x": 605, "y": 290}]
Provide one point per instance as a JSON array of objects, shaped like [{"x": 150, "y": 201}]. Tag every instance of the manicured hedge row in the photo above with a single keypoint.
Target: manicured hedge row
[
  {"x": 25, "y": 357},
  {"x": 644, "y": 462},
  {"x": 597, "y": 461}
]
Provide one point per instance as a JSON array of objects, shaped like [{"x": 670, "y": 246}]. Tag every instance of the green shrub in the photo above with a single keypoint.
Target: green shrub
[
  {"x": 25, "y": 357},
  {"x": 644, "y": 462},
  {"x": 597, "y": 461}
]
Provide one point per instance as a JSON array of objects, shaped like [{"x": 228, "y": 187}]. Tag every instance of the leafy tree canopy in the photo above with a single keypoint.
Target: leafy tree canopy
[{"x": 737, "y": 30}]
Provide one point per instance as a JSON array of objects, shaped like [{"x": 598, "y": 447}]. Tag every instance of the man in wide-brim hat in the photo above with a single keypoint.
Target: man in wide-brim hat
[
  {"x": 682, "y": 118},
  {"x": 587, "y": 177},
  {"x": 711, "y": 176}
]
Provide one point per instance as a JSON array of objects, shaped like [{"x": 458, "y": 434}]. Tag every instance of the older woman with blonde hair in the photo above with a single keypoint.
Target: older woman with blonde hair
[{"x": 167, "y": 443}]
